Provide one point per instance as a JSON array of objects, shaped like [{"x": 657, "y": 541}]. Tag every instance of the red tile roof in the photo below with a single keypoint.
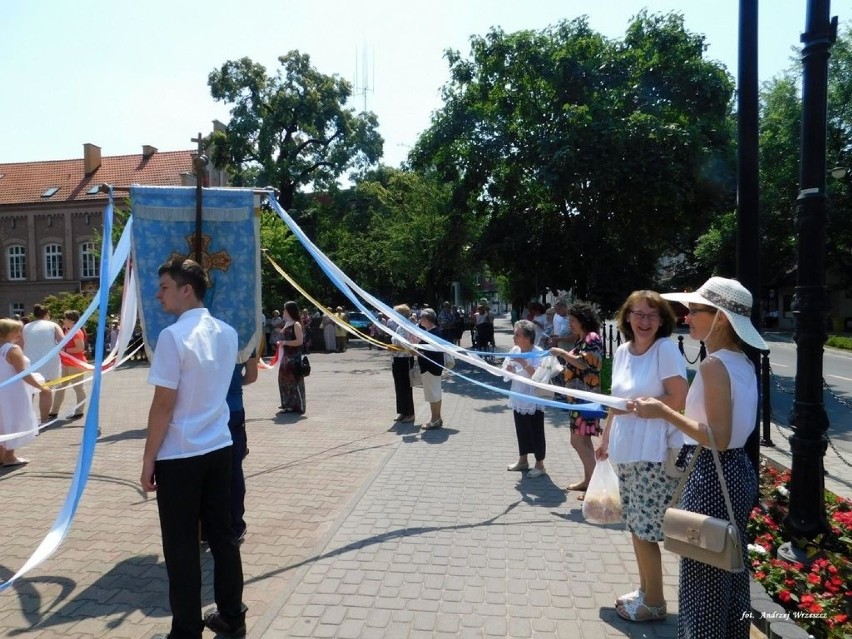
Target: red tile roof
[{"x": 24, "y": 182}]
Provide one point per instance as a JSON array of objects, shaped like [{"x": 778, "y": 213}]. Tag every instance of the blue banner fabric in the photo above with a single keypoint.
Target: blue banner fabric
[{"x": 164, "y": 227}]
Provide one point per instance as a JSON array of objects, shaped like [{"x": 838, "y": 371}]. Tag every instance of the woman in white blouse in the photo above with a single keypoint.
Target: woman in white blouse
[
  {"x": 528, "y": 414},
  {"x": 648, "y": 364}
]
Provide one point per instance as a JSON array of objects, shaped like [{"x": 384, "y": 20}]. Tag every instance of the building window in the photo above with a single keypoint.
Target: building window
[
  {"x": 89, "y": 265},
  {"x": 16, "y": 262},
  {"x": 53, "y": 262},
  {"x": 17, "y": 308}
]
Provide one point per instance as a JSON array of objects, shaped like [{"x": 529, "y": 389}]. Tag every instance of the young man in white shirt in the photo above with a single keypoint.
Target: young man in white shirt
[{"x": 187, "y": 458}]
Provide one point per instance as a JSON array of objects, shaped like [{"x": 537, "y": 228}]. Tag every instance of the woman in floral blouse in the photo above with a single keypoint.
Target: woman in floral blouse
[{"x": 583, "y": 372}]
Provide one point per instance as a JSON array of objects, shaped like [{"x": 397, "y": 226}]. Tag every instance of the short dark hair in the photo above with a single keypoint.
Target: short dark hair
[
  {"x": 71, "y": 315},
  {"x": 655, "y": 301},
  {"x": 39, "y": 311},
  {"x": 185, "y": 271},
  {"x": 587, "y": 315}
]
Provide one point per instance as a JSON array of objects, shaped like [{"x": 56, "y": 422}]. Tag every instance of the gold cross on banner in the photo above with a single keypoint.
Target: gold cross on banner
[{"x": 220, "y": 260}]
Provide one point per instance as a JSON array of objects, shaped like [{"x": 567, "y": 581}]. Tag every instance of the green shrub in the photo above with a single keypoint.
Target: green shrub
[
  {"x": 606, "y": 376},
  {"x": 838, "y": 341}
]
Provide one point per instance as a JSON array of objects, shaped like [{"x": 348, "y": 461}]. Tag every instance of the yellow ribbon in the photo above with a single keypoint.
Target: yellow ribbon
[
  {"x": 345, "y": 325},
  {"x": 60, "y": 380}
]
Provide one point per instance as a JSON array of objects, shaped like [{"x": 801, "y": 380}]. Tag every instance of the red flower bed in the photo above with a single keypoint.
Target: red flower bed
[{"x": 818, "y": 597}]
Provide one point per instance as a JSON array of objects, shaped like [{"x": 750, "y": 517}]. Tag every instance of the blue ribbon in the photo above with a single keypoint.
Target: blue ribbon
[
  {"x": 343, "y": 282},
  {"x": 122, "y": 251},
  {"x": 63, "y": 521}
]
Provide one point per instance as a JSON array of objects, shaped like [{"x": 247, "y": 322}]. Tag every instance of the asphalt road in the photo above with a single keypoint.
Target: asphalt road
[{"x": 837, "y": 394}]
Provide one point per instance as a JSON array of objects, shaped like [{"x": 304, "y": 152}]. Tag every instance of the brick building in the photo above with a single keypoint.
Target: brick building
[{"x": 51, "y": 217}]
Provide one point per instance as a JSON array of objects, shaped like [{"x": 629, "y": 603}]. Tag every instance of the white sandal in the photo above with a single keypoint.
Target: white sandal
[{"x": 630, "y": 596}]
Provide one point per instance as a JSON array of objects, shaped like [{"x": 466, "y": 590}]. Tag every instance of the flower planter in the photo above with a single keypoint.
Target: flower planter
[{"x": 791, "y": 599}]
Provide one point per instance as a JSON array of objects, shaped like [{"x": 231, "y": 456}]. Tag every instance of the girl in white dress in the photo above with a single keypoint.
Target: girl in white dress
[{"x": 16, "y": 405}]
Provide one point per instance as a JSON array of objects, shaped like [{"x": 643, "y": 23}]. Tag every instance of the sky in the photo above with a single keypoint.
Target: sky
[{"x": 121, "y": 75}]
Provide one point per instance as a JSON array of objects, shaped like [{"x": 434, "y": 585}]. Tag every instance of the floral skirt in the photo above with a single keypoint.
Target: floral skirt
[
  {"x": 646, "y": 491},
  {"x": 579, "y": 422}
]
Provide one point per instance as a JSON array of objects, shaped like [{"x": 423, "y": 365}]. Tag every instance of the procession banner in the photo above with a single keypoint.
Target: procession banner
[{"x": 164, "y": 227}]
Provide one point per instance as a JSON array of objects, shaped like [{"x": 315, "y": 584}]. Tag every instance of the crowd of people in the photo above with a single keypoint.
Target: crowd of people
[
  {"x": 664, "y": 419},
  {"x": 196, "y": 428}
]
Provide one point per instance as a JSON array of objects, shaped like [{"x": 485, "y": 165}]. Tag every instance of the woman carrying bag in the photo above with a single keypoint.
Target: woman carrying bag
[
  {"x": 648, "y": 363},
  {"x": 291, "y": 378},
  {"x": 714, "y": 602}
]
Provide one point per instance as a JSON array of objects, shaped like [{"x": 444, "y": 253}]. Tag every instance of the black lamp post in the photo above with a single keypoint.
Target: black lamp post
[
  {"x": 806, "y": 518},
  {"x": 748, "y": 194}
]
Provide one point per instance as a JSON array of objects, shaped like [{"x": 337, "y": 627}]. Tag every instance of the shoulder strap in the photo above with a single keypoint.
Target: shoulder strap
[{"x": 719, "y": 472}]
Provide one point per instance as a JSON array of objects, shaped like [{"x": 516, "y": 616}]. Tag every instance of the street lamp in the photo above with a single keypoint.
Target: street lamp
[
  {"x": 806, "y": 518},
  {"x": 839, "y": 172}
]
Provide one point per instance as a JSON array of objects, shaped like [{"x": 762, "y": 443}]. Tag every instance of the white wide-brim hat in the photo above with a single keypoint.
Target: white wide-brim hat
[{"x": 730, "y": 297}]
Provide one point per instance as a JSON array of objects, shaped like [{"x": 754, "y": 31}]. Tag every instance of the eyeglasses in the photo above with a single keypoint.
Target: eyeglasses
[
  {"x": 694, "y": 311},
  {"x": 651, "y": 317}
]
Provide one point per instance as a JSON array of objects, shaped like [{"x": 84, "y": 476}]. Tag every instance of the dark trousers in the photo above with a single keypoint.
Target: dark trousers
[
  {"x": 237, "y": 426},
  {"x": 530, "y": 432},
  {"x": 190, "y": 490},
  {"x": 402, "y": 385}
]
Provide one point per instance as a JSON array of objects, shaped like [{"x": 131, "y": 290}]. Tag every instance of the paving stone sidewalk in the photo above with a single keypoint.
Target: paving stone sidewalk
[{"x": 358, "y": 527}]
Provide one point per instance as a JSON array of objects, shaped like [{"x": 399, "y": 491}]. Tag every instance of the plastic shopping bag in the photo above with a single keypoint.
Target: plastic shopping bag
[
  {"x": 545, "y": 372},
  {"x": 602, "y": 503}
]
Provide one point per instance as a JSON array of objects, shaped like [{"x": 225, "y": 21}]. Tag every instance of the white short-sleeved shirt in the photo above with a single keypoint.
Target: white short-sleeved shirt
[
  {"x": 196, "y": 357},
  {"x": 40, "y": 337},
  {"x": 631, "y": 438},
  {"x": 561, "y": 326},
  {"x": 743, "y": 397}
]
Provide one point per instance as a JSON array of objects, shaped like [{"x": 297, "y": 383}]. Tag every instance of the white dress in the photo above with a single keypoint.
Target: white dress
[{"x": 16, "y": 405}]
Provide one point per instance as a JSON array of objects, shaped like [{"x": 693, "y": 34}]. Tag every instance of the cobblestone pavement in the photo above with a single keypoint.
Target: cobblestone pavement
[{"x": 357, "y": 527}]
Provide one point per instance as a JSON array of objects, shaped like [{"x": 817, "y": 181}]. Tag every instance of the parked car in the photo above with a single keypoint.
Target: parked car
[{"x": 360, "y": 321}]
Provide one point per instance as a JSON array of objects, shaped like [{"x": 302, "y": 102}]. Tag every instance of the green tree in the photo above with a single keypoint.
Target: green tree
[
  {"x": 780, "y": 135},
  {"x": 584, "y": 159},
  {"x": 284, "y": 248},
  {"x": 780, "y": 149},
  {"x": 839, "y": 153},
  {"x": 397, "y": 230},
  {"x": 58, "y": 304},
  {"x": 291, "y": 129}
]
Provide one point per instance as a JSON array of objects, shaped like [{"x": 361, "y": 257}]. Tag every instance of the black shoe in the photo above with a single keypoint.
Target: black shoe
[{"x": 214, "y": 621}]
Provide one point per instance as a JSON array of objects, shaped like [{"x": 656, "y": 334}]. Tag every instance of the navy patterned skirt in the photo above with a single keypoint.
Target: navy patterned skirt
[{"x": 714, "y": 603}]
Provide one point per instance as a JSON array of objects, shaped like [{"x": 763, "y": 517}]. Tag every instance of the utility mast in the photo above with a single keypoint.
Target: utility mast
[{"x": 365, "y": 73}]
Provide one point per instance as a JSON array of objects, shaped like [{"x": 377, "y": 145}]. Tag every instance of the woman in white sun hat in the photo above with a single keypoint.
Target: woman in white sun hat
[{"x": 723, "y": 398}]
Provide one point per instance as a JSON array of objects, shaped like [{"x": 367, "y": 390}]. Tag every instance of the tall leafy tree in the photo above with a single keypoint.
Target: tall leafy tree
[
  {"x": 839, "y": 150},
  {"x": 397, "y": 230},
  {"x": 291, "y": 129},
  {"x": 584, "y": 159},
  {"x": 780, "y": 150}
]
